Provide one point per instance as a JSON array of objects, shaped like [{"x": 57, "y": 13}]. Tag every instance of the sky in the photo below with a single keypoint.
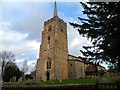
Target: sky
[{"x": 21, "y": 27}]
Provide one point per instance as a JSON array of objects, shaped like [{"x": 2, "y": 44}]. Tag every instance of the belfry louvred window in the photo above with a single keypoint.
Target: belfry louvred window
[
  {"x": 49, "y": 28},
  {"x": 48, "y": 42}
]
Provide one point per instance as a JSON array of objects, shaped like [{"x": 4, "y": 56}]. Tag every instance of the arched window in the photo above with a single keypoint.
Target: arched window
[
  {"x": 48, "y": 42},
  {"x": 48, "y": 63}
]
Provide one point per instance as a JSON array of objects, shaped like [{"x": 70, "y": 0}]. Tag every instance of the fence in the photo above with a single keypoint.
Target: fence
[
  {"x": 108, "y": 86},
  {"x": 105, "y": 86}
]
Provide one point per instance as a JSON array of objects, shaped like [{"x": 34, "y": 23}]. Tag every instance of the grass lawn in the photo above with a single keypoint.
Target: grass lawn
[
  {"x": 65, "y": 82},
  {"x": 114, "y": 79},
  {"x": 57, "y": 82}
]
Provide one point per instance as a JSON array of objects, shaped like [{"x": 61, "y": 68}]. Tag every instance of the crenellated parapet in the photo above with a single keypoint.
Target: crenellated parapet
[{"x": 54, "y": 19}]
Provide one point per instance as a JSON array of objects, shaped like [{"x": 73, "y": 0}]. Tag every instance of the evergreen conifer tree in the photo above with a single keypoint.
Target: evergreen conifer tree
[{"x": 102, "y": 27}]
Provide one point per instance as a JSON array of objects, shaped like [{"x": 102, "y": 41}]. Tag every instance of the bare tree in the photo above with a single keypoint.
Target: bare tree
[
  {"x": 6, "y": 58},
  {"x": 24, "y": 69}
]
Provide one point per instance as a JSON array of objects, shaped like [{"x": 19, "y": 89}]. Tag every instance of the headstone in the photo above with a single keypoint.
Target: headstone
[{"x": 104, "y": 80}]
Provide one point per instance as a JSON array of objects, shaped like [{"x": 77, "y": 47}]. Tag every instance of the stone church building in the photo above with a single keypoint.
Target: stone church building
[{"x": 54, "y": 62}]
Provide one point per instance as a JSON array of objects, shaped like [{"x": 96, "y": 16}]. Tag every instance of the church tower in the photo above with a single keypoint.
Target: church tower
[{"x": 53, "y": 56}]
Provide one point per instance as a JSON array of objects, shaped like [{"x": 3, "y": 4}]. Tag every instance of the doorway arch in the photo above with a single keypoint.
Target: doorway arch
[{"x": 47, "y": 75}]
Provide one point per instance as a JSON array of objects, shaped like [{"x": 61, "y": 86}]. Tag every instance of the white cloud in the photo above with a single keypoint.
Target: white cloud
[
  {"x": 18, "y": 43},
  {"x": 75, "y": 40},
  {"x": 31, "y": 65},
  {"x": 15, "y": 41},
  {"x": 27, "y": 17},
  {"x": 75, "y": 43},
  {"x": 35, "y": 45},
  {"x": 19, "y": 61}
]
